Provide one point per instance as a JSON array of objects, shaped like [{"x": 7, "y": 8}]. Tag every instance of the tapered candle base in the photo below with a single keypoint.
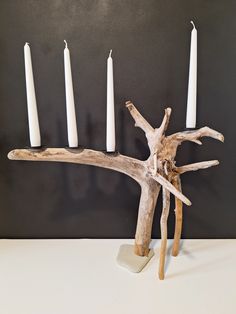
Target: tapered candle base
[
  {"x": 190, "y": 129},
  {"x": 77, "y": 149},
  {"x": 36, "y": 148},
  {"x": 115, "y": 153}
]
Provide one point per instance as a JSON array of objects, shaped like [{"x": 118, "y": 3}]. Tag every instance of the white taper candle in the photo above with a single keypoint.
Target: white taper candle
[
  {"x": 70, "y": 104},
  {"x": 192, "y": 82},
  {"x": 34, "y": 131},
  {"x": 110, "y": 131}
]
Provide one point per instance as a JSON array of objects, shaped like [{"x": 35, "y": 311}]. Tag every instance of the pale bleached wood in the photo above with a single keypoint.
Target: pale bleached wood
[
  {"x": 178, "y": 217},
  {"x": 149, "y": 194},
  {"x": 171, "y": 188},
  {"x": 165, "y": 121},
  {"x": 132, "y": 167},
  {"x": 127, "y": 165},
  {"x": 163, "y": 225},
  {"x": 172, "y": 142},
  {"x": 140, "y": 121},
  {"x": 153, "y": 135},
  {"x": 159, "y": 170},
  {"x": 197, "y": 166}
]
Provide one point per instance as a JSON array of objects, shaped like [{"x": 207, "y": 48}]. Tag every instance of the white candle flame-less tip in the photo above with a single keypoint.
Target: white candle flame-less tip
[
  {"x": 65, "y": 43},
  {"x": 110, "y": 53},
  {"x": 193, "y": 24}
]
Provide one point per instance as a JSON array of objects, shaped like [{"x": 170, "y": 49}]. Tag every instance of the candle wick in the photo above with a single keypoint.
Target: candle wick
[
  {"x": 65, "y": 43},
  {"x": 27, "y": 43},
  {"x": 110, "y": 53},
  {"x": 193, "y": 24}
]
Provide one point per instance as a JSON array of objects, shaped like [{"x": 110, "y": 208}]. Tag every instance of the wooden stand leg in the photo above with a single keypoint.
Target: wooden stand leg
[
  {"x": 164, "y": 218},
  {"x": 178, "y": 217},
  {"x": 147, "y": 204}
]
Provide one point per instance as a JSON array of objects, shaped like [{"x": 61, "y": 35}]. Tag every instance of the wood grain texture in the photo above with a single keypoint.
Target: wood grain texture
[
  {"x": 178, "y": 217},
  {"x": 159, "y": 170}
]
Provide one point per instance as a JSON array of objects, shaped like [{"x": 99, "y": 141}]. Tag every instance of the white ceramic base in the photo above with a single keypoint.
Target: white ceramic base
[{"x": 128, "y": 259}]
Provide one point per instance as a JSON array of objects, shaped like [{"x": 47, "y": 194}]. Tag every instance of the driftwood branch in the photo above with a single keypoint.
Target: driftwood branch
[
  {"x": 158, "y": 171},
  {"x": 197, "y": 166},
  {"x": 171, "y": 142},
  {"x": 167, "y": 185},
  {"x": 178, "y": 217},
  {"x": 132, "y": 167},
  {"x": 140, "y": 121},
  {"x": 165, "y": 121},
  {"x": 127, "y": 165},
  {"x": 154, "y": 136},
  {"x": 196, "y": 134},
  {"x": 163, "y": 225}
]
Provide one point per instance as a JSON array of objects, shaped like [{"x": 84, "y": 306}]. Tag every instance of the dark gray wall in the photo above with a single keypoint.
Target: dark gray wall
[{"x": 150, "y": 42}]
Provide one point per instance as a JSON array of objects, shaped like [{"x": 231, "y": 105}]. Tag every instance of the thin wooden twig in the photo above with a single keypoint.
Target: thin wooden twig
[
  {"x": 178, "y": 217},
  {"x": 140, "y": 121},
  {"x": 167, "y": 185},
  {"x": 163, "y": 225},
  {"x": 197, "y": 166}
]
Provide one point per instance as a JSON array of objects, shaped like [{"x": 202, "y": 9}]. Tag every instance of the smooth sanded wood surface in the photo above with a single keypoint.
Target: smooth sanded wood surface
[{"x": 82, "y": 276}]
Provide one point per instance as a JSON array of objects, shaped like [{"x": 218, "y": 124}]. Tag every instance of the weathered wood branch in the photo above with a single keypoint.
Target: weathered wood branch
[
  {"x": 159, "y": 170},
  {"x": 178, "y": 217},
  {"x": 163, "y": 226},
  {"x": 149, "y": 194},
  {"x": 197, "y": 166},
  {"x": 171, "y": 142},
  {"x": 165, "y": 121},
  {"x": 170, "y": 187},
  {"x": 127, "y": 165},
  {"x": 196, "y": 134},
  {"x": 153, "y": 135},
  {"x": 139, "y": 120},
  {"x": 132, "y": 167}
]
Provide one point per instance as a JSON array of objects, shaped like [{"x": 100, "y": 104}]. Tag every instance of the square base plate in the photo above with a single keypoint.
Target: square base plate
[{"x": 128, "y": 259}]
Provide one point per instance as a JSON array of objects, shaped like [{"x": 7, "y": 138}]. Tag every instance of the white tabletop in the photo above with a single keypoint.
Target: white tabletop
[{"x": 82, "y": 277}]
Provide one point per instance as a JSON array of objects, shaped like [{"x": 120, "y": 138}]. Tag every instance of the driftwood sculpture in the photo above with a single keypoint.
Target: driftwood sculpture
[{"x": 158, "y": 171}]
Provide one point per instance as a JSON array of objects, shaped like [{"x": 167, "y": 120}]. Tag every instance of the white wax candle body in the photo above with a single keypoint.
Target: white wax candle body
[
  {"x": 192, "y": 83},
  {"x": 34, "y": 131},
  {"x": 70, "y": 104},
  {"x": 110, "y": 131}
]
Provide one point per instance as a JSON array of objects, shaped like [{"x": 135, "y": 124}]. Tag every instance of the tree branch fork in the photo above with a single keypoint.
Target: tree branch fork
[{"x": 158, "y": 171}]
